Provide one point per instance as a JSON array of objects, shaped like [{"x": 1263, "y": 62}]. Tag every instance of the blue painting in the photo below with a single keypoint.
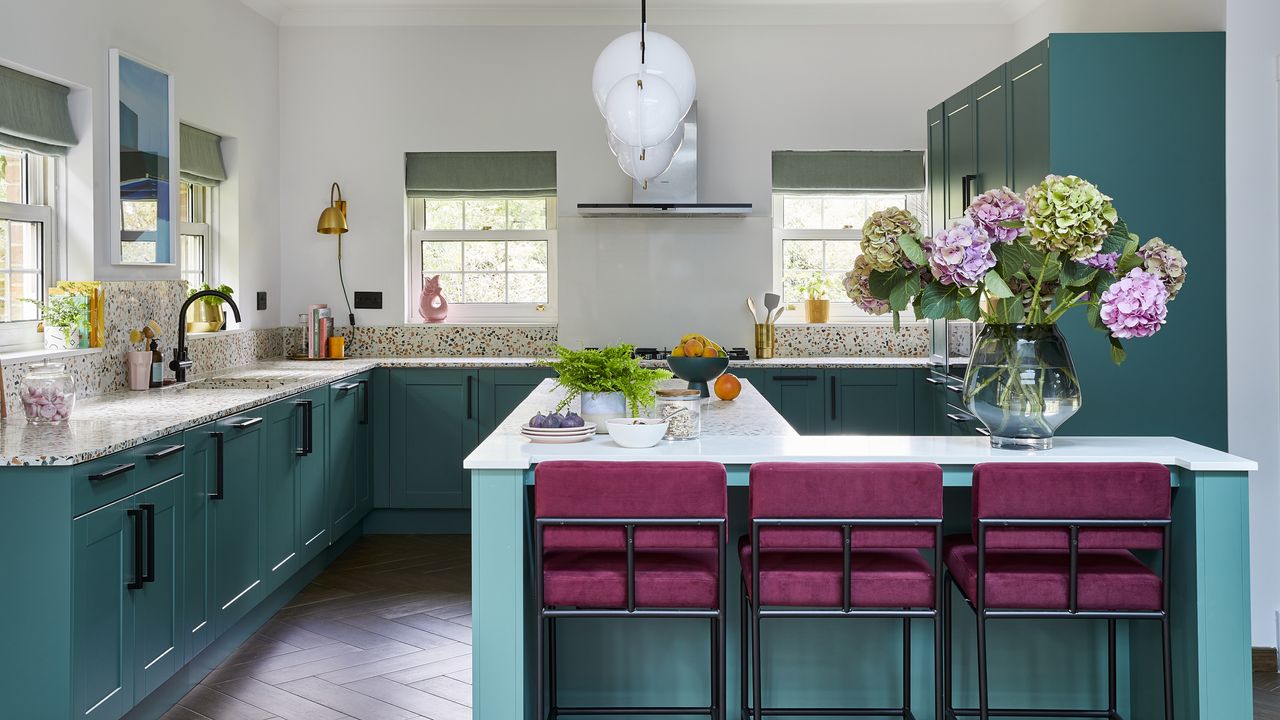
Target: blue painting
[{"x": 144, "y": 123}]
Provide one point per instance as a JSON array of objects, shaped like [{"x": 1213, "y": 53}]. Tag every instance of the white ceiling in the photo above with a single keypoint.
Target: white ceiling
[{"x": 625, "y": 12}]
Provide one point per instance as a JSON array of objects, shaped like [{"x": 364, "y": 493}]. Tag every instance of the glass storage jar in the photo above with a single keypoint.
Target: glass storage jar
[
  {"x": 48, "y": 394},
  {"x": 682, "y": 409}
]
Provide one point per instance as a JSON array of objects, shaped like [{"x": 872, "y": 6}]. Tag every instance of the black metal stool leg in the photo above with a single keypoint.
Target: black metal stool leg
[
  {"x": 756, "y": 693},
  {"x": 743, "y": 633},
  {"x": 1111, "y": 666},
  {"x": 551, "y": 666},
  {"x": 983, "y": 705},
  {"x": 947, "y": 703},
  {"x": 906, "y": 665},
  {"x": 539, "y": 710},
  {"x": 1166, "y": 642}
]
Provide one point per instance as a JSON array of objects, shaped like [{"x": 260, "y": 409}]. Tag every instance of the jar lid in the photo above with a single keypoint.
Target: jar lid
[{"x": 679, "y": 394}]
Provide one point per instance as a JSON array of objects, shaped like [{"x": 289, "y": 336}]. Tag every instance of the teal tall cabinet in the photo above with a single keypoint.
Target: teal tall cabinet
[{"x": 1142, "y": 116}]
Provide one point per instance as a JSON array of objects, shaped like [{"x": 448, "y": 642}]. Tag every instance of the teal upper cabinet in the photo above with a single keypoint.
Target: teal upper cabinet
[
  {"x": 991, "y": 109},
  {"x": 313, "y": 475},
  {"x": 433, "y": 426},
  {"x": 937, "y": 159},
  {"x": 871, "y": 401},
  {"x": 962, "y": 151},
  {"x": 235, "y": 534},
  {"x": 350, "y": 461},
  {"x": 800, "y": 397},
  {"x": 1028, "y": 136}
]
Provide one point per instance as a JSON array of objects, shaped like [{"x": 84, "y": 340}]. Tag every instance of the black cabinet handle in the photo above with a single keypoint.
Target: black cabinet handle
[
  {"x": 795, "y": 378},
  {"x": 833, "y": 397},
  {"x": 107, "y": 474},
  {"x": 165, "y": 452},
  {"x": 364, "y": 401},
  {"x": 468, "y": 397},
  {"x": 218, "y": 439},
  {"x": 966, "y": 188},
  {"x": 306, "y": 406},
  {"x": 247, "y": 422},
  {"x": 150, "y": 510},
  {"x": 136, "y": 582}
]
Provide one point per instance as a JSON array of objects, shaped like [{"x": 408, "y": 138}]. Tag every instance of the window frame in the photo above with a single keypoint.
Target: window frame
[
  {"x": 43, "y": 185},
  {"x": 843, "y": 311},
  {"x": 479, "y": 313},
  {"x": 200, "y": 222}
]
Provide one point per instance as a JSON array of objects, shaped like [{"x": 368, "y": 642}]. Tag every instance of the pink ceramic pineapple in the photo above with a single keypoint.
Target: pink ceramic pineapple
[{"x": 431, "y": 305}]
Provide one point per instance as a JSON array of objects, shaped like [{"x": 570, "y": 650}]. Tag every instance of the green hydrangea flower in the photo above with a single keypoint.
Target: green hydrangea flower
[
  {"x": 1068, "y": 214},
  {"x": 880, "y": 235},
  {"x": 1165, "y": 262}
]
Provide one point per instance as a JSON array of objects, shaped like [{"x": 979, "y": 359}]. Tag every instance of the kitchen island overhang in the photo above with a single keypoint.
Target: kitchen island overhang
[{"x": 1210, "y": 583}]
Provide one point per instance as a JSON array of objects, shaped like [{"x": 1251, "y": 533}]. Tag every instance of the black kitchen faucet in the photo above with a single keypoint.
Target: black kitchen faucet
[{"x": 181, "y": 360}]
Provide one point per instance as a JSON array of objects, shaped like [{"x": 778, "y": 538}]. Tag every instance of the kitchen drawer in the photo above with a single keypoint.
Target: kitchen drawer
[{"x": 101, "y": 482}]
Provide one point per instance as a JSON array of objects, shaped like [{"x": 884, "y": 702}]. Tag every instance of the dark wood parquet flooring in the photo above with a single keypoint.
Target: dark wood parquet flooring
[{"x": 383, "y": 634}]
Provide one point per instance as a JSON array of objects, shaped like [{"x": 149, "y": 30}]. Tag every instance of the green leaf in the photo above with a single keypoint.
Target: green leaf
[
  {"x": 901, "y": 294},
  {"x": 1117, "y": 239},
  {"x": 1075, "y": 274},
  {"x": 897, "y": 321},
  {"x": 883, "y": 283},
  {"x": 937, "y": 301},
  {"x": 1012, "y": 224},
  {"x": 1008, "y": 310},
  {"x": 1094, "y": 316},
  {"x": 969, "y": 307},
  {"x": 910, "y": 244},
  {"x": 1117, "y": 350},
  {"x": 996, "y": 286},
  {"x": 1009, "y": 259}
]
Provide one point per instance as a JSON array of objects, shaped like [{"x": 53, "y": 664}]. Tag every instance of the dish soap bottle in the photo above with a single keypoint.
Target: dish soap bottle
[{"x": 157, "y": 365}]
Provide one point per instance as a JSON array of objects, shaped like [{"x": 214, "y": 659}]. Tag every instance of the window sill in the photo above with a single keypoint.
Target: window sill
[
  {"x": 852, "y": 322},
  {"x": 24, "y": 356}
]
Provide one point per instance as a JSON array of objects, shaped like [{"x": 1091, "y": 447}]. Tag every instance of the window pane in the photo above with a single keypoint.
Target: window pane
[
  {"x": 192, "y": 257},
  {"x": 884, "y": 202},
  {"x": 23, "y": 285},
  {"x": 138, "y": 252},
  {"x": 800, "y": 212},
  {"x": 485, "y": 288},
  {"x": 442, "y": 214},
  {"x": 11, "y": 176},
  {"x": 802, "y": 254},
  {"x": 791, "y": 280},
  {"x": 841, "y": 254},
  {"x": 441, "y": 257},
  {"x": 450, "y": 286},
  {"x": 527, "y": 213},
  {"x": 4, "y": 245},
  {"x": 844, "y": 212},
  {"x": 527, "y": 288},
  {"x": 24, "y": 246},
  {"x": 486, "y": 215},
  {"x": 184, "y": 202},
  {"x": 484, "y": 256},
  {"x": 527, "y": 255},
  {"x": 138, "y": 215}
]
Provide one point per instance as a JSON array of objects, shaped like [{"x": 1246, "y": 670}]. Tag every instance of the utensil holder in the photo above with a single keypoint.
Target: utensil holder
[{"x": 764, "y": 341}]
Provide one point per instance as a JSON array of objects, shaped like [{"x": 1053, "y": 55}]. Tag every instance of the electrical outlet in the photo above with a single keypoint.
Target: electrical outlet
[
  {"x": 262, "y": 299},
  {"x": 368, "y": 300}
]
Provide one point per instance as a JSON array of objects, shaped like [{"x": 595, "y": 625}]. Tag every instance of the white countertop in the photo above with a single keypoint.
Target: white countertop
[{"x": 743, "y": 433}]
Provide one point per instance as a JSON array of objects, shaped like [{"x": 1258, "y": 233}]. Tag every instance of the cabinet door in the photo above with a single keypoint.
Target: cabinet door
[
  {"x": 157, "y": 635},
  {"x": 799, "y": 396},
  {"x": 502, "y": 390},
  {"x": 937, "y": 164},
  {"x": 200, "y": 462},
  {"x": 1029, "y": 116},
  {"x": 104, "y": 563},
  {"x": 962, "y": 158},
  {"x": 345, "y": 413},
  {"x": 313, "y": 471},
  {"x": 433, "y": 428},
  {"x": 280, "y": 526},
  {"x": 871, "y": 401},
  {"x": 754, "y": 376},
  {"x": 991, "y": 112},
  {"x": 235, "y": 512}
]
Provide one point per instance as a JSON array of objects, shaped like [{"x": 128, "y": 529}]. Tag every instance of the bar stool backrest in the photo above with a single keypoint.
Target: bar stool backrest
[
  {"x": 603, "y": 490},
  {"x": 846, "y": 491},
  {"x": 1072, "y": 491}
]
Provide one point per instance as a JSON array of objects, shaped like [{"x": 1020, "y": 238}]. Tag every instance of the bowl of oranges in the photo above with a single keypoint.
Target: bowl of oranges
[{"x": 698, "y": 361}]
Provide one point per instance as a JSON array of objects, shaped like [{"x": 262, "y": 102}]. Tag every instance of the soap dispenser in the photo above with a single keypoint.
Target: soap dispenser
[{"x": 157, "y": 365}]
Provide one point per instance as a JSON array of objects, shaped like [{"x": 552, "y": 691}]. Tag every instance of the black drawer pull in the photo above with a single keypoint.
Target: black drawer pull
[
  {"x": 150, "y": 510},
  {"x": 833, "y": 397},
  {"x": 218, "y": 439},
  {"x": 247, "y": 422},
  {"x": 957, "y": 417},
  {"x": 468, "y": 397},
  {"x": 136, "y": 582},
  {"x": 364, "y": 401},
  {"x": 165, "y": 452},
  {"x": 108, "y": 474},
  {"x": 795, "y": 378},
  {"x": 306, "y": 406}
]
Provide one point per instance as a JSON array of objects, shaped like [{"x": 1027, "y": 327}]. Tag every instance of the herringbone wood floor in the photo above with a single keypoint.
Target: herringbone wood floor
[{"x": 383, "y": 634}]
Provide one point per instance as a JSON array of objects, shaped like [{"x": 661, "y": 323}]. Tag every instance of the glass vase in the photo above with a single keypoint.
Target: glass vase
[{"x": 1021, "y": 384}]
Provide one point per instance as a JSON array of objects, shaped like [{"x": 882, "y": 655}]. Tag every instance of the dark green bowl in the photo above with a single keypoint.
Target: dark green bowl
[{"x": 698, "y": 371}]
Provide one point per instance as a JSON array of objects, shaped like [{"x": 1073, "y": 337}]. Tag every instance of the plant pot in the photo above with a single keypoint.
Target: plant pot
[
  {"x": 599, "y": 408},
  {"x": 817, "y": 311},
  {"x": 204, "y": 317},
  {"x": 1022, "y": 384},
  {"x": 56, "y": 338}
]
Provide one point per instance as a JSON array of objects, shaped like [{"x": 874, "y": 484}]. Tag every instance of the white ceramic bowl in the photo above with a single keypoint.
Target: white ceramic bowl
[{"x": 637, "y": 432}]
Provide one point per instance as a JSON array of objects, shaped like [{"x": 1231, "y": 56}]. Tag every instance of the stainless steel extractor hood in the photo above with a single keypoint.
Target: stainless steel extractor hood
[{"x": 674, "y": 193}]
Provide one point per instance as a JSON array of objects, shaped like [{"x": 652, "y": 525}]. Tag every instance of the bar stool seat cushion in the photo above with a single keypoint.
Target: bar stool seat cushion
[
  {"x": 806, "y": 577},
  {"x": 597, "y": 579},
  {"x": 1038, "y": 579}
]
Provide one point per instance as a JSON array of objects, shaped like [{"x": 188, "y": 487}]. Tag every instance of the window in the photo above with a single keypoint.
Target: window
[
  {"x": 817, "y": 237},
  {"x": 195, "y": 233},
  {"x": 27, "y": 182},
  {"x": 495, "y": 256}
]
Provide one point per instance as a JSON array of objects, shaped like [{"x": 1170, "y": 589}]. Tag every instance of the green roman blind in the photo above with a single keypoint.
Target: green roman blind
[
  {"x": 847, "y": 171},
  {"x": 201, "y": 157},
  {"x": 33, "y": 114},
  {"x": 480, "y": 174}
]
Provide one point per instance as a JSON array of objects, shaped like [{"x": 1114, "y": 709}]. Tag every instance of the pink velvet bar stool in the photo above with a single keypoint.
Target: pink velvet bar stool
[
  {"x": 625, "y": 540},
  {"x": 841, "y": 540},
  {"x": 1055, "y": 540}
]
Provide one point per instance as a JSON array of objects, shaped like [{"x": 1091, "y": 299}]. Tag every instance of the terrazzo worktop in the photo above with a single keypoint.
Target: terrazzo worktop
[{"x": 116, "y": 421}]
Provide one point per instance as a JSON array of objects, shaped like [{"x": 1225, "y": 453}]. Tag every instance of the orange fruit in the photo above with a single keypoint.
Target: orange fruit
[
  {"x": 710, "y": 352},
  {"x": 693, "y": 348},
  {"x": 728, "y": 386}
]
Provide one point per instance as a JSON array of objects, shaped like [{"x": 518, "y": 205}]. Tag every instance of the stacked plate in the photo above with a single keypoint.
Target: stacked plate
[{"x": 559, "y": 435}]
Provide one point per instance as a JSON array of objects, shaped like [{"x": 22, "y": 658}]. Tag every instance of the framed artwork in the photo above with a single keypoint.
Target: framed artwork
[{"x": 144, "y": 163}]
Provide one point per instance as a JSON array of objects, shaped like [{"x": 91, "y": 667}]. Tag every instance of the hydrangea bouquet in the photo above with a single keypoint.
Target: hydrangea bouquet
[{"x": 1021, "y": 262}]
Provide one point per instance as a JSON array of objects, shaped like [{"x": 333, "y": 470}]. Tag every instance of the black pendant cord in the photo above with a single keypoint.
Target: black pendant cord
[
  {"x": 644, "y": 20},
  {"x": 351, "y": 314}
]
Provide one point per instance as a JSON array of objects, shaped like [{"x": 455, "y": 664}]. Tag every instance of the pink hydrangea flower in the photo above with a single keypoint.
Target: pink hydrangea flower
[
  {"x": 993, "y": 207},
  {"x": 960, "y": 254},
  {"x": 1135, "y": 305}
]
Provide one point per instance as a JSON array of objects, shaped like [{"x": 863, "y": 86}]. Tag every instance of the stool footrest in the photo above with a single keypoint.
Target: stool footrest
[
  {"x": 1036, "y": 712},
  {"x": 906, "y": 714},
  {"x": 574, "y": 711}
]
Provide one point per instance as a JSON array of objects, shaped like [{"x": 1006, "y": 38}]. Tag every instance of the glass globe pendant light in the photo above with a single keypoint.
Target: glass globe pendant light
[{"x": 645, "y": 164}]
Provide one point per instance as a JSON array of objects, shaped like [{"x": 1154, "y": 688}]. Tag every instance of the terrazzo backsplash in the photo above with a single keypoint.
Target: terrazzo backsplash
[
  {"x": 852, "y": 340},
  {"x": 441, "y": 340}
]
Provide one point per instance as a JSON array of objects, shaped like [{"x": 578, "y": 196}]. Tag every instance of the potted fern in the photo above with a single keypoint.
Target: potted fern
[{"x": 611, "y": 382}]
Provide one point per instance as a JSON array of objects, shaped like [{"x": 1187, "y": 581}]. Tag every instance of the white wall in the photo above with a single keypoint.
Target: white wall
[
  {"x": 507, "y": 88},
  {"x": 1117, "y": 16},
  {"x": 224, "y": 58}
]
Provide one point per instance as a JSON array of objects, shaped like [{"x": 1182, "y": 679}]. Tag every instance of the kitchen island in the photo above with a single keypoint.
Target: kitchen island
[{"x": 834, "y": 662}]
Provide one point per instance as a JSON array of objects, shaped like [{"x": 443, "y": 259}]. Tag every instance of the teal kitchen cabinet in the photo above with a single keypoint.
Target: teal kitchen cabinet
[
  {"x": 313, "y": 475},
  {"x": 196, "y": 608},
  {"x": 107, "y": 542},
  {"x": 350, "y": 480},
  {"x": 235, "y": 517},
  {"x": 800, "y": 396},
  {"x": 961, "y": 131},
  {"x": 991, "y": 118},
  {"x": 157, "y": 633},
  {"x": 1028, "y": 125},
  {"x": 870, "y": 401},
  {"x": 280, "y": 525},
  {"x": 502, "y": 389},
  {"x": 936, "y": 159},
  {"x": 755, "y": 376},
  {"x": 433, "y": 426}
]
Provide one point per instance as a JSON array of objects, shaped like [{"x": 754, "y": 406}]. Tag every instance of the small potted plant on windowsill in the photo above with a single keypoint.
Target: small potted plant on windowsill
[
  {"x": 611, "y": 382},
  {"x": 817, "y": 308},
  {"x": 61, "y": 316},
  {"x": 205, "y": 314}
]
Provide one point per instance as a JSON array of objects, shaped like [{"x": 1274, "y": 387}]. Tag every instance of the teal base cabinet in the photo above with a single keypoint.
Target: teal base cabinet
[
  {"x": 313, "y": 476},
  {"x": 236, "y": 501},
  {"x": 800, "y": 396},
  {"x": 871, "y": 401},
  {"x": 350, "y": 448}
]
